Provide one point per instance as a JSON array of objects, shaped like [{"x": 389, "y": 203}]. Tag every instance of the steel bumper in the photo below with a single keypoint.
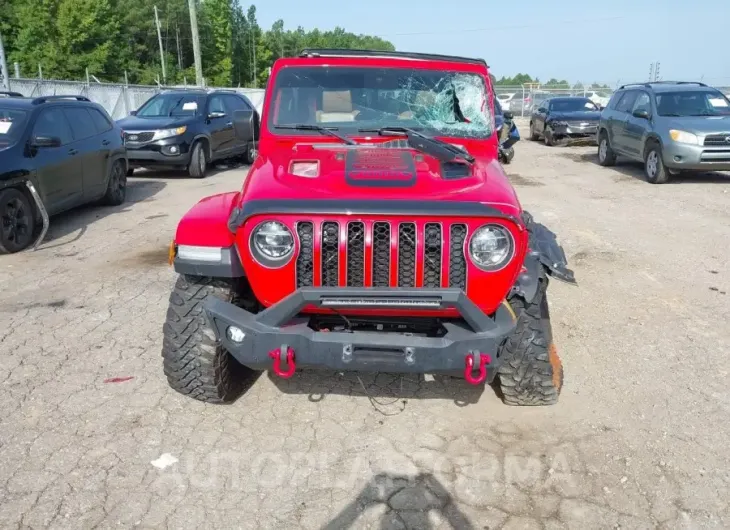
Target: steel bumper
[{"x": 272, "y": 333}]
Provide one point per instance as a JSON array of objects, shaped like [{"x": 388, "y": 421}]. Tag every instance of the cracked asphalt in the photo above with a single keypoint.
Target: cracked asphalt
[{"x": 92, "y": 437}]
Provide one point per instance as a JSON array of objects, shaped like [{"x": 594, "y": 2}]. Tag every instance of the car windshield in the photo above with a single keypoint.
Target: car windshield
[
  {"x": 12, "y": 123},
  {"x": 572, "y": 105},
  {"x": 172, "y": 105},
  {"x": 435, "y": 102},
  {"x": 692, "y": 103}
]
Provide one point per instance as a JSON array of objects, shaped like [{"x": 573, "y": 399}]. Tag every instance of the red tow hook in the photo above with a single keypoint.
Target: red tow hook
[
  {"x": 483, "y": 360},
  {"x": 285, "y": 353}
]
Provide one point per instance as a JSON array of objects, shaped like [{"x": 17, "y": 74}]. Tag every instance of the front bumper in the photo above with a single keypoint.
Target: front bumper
[
  {"x": 279, "y": 328},
  {"x": 159, "y": 153},
  {"x": 576, "y": 132},
  {"x": 696, "y": 157}
]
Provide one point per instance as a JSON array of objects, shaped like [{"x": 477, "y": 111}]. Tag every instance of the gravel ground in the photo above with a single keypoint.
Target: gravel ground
[{"x": 638, "y": 440}]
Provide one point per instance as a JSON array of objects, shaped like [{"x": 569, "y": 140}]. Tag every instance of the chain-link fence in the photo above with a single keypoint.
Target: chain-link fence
[
  {"x": 523, "y": 100},
  {"x": 117, "y": 99}
]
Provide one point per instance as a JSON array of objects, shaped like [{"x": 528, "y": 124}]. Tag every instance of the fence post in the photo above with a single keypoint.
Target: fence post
[
  {"x": 125, "y": 90},
  {"x": 17, "y": 70},
  {"x": 40, "y": 72}
]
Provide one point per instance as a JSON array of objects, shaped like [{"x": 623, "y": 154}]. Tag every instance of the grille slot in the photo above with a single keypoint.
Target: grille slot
[
  {"x": 330, "y": 254},
  {"x": 381, "y": 254},
  {"x": 355, "y": 254},
  {"x": 432, "y": 255},
  {"x": 718, "y": 139},
  {"x": 407, "y": 255},
  {"x": 457, "y": 260},
  {"x": 305, "y": 260}
]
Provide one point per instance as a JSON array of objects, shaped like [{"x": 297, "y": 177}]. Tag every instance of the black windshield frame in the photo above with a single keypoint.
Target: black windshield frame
[{"x": 375, "y": 97}]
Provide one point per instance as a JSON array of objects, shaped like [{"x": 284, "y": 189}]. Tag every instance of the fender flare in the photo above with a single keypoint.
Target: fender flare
[
  {"x": 545, "y": 257},
  {"x": 207, "y": 138}
]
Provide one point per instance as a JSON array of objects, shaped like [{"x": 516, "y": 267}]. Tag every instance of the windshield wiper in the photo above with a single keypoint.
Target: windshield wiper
[
  {"x": 324, "y": 130},
  {"x": 427, "y": 144}
]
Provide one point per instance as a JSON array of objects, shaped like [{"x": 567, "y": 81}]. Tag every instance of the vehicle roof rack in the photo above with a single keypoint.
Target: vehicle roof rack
[
  {"x": 342, "y": 52},
  {"x": 648, "y": 84},
  {"x": 46, "y": 99},
  {"x": 9, "y": 94}
]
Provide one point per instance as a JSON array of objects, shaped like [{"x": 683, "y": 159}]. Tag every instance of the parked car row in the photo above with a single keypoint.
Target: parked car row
[
  {"x": 669, "y": 126},
  {"x": 59, "y": 152}
]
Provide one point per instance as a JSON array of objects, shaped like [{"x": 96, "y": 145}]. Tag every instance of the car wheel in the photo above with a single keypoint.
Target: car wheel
[
  {"x": 116, "y": 189},
  {"x": 251, "y": 153},
  {"x": 533, "y": 135},
  {"x": 654, "y": 168},
  {"x": 606, "y": 155},
  {"x": 549, "y": 138},
  {"x": 198, "y": 163},
  {"x": 17, "y": 221}
]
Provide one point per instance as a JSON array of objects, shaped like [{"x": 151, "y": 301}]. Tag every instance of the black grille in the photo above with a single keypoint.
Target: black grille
[
  {"x": 718, "y": 139},
  {"x": 138, "y": 138},
  {"x": 457, "y": 261},
  {"x": 330, "y": 254},
  {"x": 380, "y": 261},
  {"x": 432, "y": 255},
  {"x": 355, "y": 254},
  {"x": 305, "y": 260},
  {"x": 381, "y": 254},
  {"x": 407, "y": 255}
]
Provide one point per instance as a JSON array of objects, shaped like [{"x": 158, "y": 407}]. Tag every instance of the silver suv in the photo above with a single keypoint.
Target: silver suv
[{"x": 669, "y": 126}]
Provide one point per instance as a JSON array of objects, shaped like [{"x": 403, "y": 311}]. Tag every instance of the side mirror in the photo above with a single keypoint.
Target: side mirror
[
  {"x": 247, "y": 124},
  {"x": 132, "y": 112},
  {"x": 216, "y": 115},
  {"x": 641, "y": 113},
  {"x": 46, "y": 141},
  {"x": 508, "y": 115},
  {"x": 542, "y": 110}
]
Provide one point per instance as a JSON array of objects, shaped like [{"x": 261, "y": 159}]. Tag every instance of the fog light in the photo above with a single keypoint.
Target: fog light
[
  {"x": 171, "y": 150},
  {"x": 235, "y": 334},
  {"x": 174, "y": 149},
  {"x": 677, "y": 158}
]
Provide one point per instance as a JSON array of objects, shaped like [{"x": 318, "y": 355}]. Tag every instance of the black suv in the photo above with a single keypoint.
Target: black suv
[
  {"x": 189, "y": 129},
  {"x": 56, "y": 152}
]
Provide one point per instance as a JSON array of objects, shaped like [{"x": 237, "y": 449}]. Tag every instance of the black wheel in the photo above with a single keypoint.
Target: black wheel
[
  {"x": 606, "y": 155},
  {"x": 507, "y": 155},
  {"x": 198, "y": 162},
  {"x": 17, "y": 221},
  {"x": 654, "y": 168},
  {"x": 533, "y": 135},
  {"x": 251, "y": 153},
  {"x": 548, "y": 135},
  {"x": 531, "y": 372},
  {"x": 194, "y": 361},
  {"x": 116, "y": 189}
]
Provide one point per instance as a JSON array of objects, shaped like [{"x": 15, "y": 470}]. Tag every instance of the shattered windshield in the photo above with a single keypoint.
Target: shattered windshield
[{"x": 435, "y": 102}]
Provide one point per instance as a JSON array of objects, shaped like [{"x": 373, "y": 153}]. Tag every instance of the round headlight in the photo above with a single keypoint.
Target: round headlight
[
  {"x": 491, "y": 247},
  {"x": 273, "y": 240}
]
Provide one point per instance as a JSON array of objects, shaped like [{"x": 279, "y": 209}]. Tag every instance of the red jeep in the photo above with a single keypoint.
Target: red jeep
[{"x": 376, "y": 231}]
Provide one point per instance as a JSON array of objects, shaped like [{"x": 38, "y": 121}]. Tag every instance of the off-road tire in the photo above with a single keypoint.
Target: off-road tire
[
  {"x": 194, "y": 362},
  {"x": 533, "y": 135},
  {"x": 531, "y": 372},
  {"x": 606, "y": 155},
  {"x": 17, "y": 221},
  {"x": 116, "y": 188},
  {"x": 198, "y": 166},
  {"x": 654, "y": 168}
]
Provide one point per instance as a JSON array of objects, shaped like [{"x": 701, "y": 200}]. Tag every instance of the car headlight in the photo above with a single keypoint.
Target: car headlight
[
  {"x": 169, "y": 133},
  {"x": 272, "y": 241},
  {"x": 491, "y": 247},
  {"x": 684, "y": 137}
]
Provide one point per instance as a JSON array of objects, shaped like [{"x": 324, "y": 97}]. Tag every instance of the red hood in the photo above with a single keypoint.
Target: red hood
[{"x": 376, "y": 173}]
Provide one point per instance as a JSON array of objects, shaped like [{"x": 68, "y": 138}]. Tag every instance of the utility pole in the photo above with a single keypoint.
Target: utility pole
[
  {"x": 162, "y": 52},
  {"x": 656, "y": 71},
  {"x": 651, "y": 72},
  {"x": 4, "y": 67},
  {"x": 179, "y": 53},
  {"x": 196, "y": 42}
]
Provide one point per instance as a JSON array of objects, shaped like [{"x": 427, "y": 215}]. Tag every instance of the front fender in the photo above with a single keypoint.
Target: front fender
[{"x": 544, "y": 257}]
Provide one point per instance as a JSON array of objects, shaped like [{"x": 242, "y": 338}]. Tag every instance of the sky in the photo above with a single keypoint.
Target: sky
[{"x": 582, "y": 41}]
